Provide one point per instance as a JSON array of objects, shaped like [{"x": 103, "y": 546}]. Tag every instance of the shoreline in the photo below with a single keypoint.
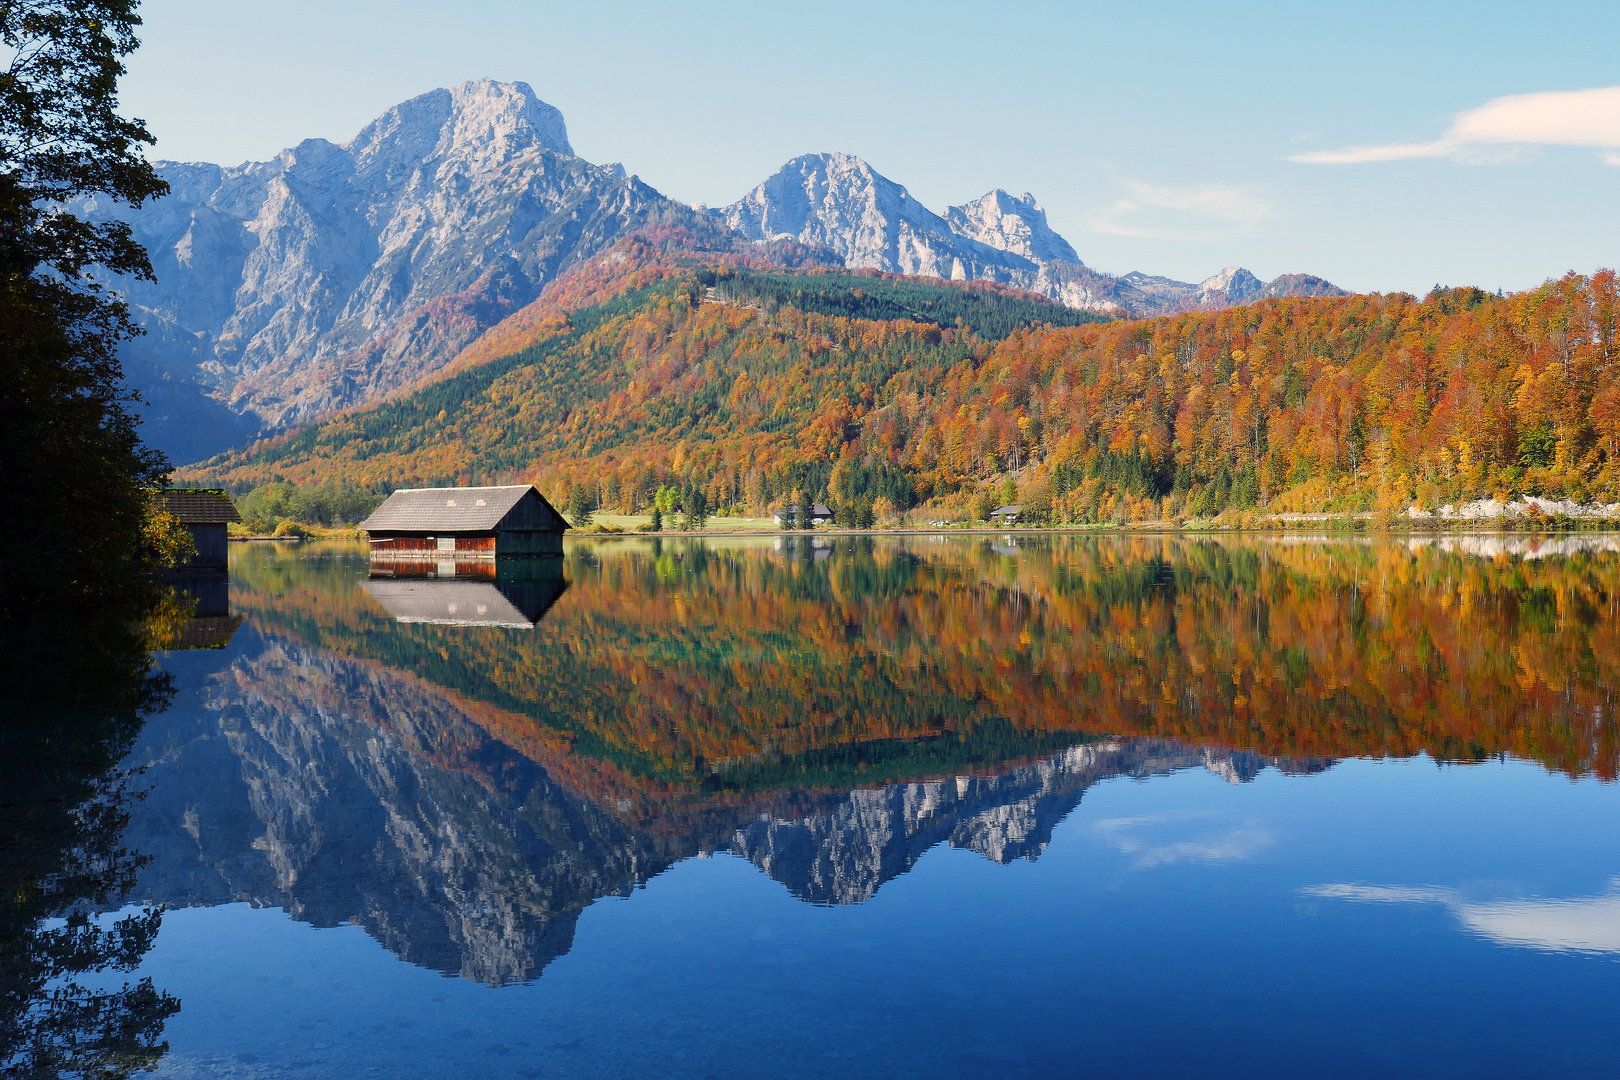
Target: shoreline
[
  {"x": 1313, "y": 525},
  {"x": 1336, "y": 525}
]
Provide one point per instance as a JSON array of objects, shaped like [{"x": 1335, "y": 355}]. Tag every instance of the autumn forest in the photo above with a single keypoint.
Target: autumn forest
[{"x": 667, "y": 363}]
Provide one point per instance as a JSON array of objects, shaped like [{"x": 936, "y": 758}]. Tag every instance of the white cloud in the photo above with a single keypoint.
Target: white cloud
[
  {"x": 1503, "y": 128},
  {"x": 1589, "y": 924},
  {"x": 1178, "y": 213}
]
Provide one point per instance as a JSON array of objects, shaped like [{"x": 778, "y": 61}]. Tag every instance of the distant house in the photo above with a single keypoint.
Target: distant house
[
  {"x": 465, "y": 523},
  {"x": 819, "y": 515},
  {"x": 1007, "y": 514},
  {"x": 204, "y": 512}
]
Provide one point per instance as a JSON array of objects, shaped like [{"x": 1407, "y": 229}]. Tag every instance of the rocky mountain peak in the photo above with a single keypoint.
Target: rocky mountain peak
[
  {"x": 1234, "y": 281},
  {"x": 835, "y": 200},
  {"x": 336, "y": 273},
  {"x": 838, "y": 201},
  {"x": 1011, "y": 224},
  {"x": 332, "y": 273},
  {"x": 491, "y": 120}
]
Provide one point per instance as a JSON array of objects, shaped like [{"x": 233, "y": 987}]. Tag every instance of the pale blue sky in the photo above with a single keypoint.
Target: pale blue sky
[{"x": 1157, "y": 136}]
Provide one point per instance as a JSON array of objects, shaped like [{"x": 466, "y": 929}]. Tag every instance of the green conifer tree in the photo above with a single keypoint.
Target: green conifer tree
[{"x": 579, "y": 506}]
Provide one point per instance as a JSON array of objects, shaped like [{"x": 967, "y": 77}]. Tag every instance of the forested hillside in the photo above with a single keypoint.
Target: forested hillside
[
  {"x": 756, "y": 382},
  {"x": 990, "y": 312}
]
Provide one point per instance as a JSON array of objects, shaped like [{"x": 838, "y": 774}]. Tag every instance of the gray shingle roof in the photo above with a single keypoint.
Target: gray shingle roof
[
  {"x": 473, "y": 509},
  {"x": 199, "y": 506},
  {"x": 1002, "y": 511}
]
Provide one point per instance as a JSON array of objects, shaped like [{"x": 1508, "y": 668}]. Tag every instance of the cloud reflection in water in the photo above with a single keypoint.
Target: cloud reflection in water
[
  {"x": 1135, "y": 836},
  {"x": 1589, "y": 924}
]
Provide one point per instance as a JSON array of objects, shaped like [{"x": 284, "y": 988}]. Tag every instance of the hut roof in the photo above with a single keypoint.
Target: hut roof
[
  {"x": 469, "y": 509},
  {"x": 199, "y": 506},
  {"x": 1010, "y": 510}
]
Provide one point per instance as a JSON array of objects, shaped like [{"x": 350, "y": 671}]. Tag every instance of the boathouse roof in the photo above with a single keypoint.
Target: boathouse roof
[
  {"x": 198, "y": 506},
  {"x": 453, "y": 510}
]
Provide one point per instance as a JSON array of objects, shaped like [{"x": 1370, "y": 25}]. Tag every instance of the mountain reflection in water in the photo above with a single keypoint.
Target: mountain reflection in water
[{"x": 463, "y": 787}]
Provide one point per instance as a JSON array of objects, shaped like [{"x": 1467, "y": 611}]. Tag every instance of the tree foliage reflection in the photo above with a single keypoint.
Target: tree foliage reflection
[{"x": 64, "y": 728}]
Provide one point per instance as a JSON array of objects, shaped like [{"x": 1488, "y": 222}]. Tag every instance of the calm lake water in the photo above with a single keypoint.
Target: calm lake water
[{"x": 909, "y": 807}]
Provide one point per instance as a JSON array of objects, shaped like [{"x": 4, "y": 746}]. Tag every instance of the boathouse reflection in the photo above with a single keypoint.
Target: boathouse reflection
[
  {"x": 212, "y": 624},
  {"x": 507, "y": 592}
]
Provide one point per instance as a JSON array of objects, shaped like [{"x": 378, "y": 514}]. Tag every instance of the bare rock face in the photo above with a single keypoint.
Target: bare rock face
[
  {"x": 292, "y": 287},
  {"x": 333, "y": 274},
  {"x": 840, "y": 202},
  {"x": 1015, "y": 225}
]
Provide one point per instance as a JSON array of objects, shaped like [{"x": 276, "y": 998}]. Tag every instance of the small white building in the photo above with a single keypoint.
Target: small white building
[{"x": 819, "y": 515}]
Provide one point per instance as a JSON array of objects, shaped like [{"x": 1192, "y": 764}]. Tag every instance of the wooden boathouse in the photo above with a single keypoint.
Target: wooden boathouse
[
  {"x": 205, "y": 512},
  {"x": 465, "y": 523}
]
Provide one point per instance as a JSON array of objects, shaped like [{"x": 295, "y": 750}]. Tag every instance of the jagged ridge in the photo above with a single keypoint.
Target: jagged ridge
[{"x": 841, "y": 202}]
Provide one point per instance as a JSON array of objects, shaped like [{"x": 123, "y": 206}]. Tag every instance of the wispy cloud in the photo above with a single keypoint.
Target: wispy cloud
[
  {"x": 1589, "y": 924},
  {"x": 1504, "y": 128},
  {"x": 1162, "y": 212}
]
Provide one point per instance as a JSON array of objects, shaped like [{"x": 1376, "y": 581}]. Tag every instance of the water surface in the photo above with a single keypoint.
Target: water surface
[{"x": 1059, "y": 806}]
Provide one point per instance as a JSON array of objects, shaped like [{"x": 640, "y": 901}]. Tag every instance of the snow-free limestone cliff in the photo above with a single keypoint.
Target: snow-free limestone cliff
[
  {"x": 841, "y": 202},
  {"x": 334, "y": 273}
]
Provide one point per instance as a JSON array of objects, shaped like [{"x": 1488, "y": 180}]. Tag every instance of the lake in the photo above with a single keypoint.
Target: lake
[{"x": 919, "y": 806}]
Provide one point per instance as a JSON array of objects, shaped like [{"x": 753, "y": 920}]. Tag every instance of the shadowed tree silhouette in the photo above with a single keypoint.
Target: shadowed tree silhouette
[{"x": 75, "y": 465}]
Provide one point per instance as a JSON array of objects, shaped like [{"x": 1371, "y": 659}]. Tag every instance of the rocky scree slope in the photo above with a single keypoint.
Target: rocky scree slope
[{"x": 841, "y": 202}]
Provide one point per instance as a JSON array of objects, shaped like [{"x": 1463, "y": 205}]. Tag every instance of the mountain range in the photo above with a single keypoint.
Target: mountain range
[
  {"x": 334, "y": 275},
  {"x": 840, "y": 202}
]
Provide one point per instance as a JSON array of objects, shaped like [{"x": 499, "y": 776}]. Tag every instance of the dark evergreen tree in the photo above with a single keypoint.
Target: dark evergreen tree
[
  {"x": 697, "y": 509},
  {"x": 579, "y": 506},
  {"x": 77, "y": 472}
]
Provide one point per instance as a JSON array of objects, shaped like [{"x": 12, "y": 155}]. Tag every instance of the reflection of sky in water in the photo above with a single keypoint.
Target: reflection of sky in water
[
  {"x": 1171, "y": 927},
  {"x": 1161, "y": 839},
  {"x": 1573, "y": 924}
]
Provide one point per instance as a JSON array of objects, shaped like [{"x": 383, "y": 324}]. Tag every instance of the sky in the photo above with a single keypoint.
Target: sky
[{"x": 1382, "y": 146}]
